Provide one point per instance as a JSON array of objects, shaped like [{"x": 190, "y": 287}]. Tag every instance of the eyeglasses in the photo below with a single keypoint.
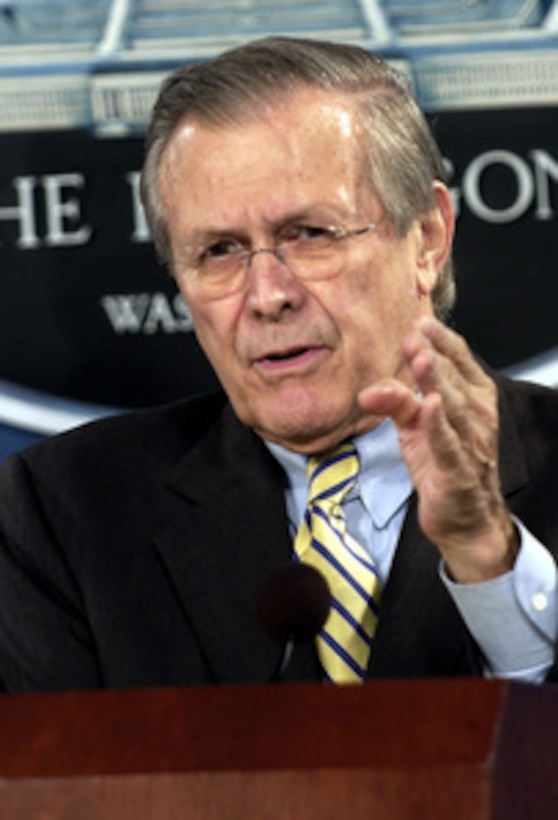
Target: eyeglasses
[{"x": 310, "y": 253}]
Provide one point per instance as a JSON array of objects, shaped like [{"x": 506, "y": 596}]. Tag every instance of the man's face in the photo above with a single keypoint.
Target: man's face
[{"x": 293, "y": 354}]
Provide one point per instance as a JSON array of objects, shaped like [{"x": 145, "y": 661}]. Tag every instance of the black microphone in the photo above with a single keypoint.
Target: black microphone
[{"x": 293, "y": 604}]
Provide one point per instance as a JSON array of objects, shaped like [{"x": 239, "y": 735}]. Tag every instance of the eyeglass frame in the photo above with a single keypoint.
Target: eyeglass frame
[{"x": 336, "y": 235}]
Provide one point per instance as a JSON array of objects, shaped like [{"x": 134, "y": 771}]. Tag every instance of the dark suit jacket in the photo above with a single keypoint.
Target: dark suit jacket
[{"x": 132, "y": 551}]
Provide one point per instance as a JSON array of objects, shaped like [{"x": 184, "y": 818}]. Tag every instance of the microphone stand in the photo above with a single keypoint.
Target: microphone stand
[{"x": 284, "y": 660}]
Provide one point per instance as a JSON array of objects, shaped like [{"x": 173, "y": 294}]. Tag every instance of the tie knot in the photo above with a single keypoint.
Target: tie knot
[{"x": 333, "y": 473}]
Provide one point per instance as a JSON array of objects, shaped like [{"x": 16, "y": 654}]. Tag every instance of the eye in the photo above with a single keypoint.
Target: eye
[
  {"x": 221, "y": 249},
  {"x": 307, "y": 234}
]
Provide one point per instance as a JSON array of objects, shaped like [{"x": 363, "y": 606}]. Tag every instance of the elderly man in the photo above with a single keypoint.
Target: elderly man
[{"x": 295, "y": 192}]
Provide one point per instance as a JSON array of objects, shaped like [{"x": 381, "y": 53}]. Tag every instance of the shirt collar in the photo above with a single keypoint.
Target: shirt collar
[{"x": 384, "y": 484}]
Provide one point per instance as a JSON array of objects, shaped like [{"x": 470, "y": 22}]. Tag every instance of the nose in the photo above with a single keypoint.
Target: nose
[
  {"x": 271, "y": 288},
  {"x": 273, "y": 251}
]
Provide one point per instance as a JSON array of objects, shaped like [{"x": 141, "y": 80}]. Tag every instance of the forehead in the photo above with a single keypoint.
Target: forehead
[
  {"x": 301, "y": 112},
  {"x": 309, "y": 145}
]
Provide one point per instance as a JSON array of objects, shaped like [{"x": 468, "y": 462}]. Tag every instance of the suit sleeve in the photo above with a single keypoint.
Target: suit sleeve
[{"x": 45, "y": 641}]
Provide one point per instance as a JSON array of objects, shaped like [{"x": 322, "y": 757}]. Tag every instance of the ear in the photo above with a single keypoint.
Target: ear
[{"x": 436, "y": 237}]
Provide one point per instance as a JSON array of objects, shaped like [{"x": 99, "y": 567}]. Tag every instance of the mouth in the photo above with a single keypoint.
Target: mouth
[
  {"x": 286, "y": 355},
  {"x": 290, "y": 359}
]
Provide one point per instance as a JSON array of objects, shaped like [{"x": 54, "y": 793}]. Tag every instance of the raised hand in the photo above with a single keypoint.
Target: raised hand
[{"x": 448, "y": 432}]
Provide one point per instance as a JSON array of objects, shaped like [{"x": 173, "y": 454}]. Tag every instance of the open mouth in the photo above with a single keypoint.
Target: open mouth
[
  {"x": 287, "y": 355},
  {"x": 294, "y": 361}
]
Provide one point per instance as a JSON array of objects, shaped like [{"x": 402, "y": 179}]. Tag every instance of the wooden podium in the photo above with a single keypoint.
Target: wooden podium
[{"x": 424, "y": 749}]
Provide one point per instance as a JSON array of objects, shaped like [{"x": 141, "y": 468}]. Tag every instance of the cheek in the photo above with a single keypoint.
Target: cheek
[
  {"x": 374, "y": 310},
  {"x": 388, "y": 289}
]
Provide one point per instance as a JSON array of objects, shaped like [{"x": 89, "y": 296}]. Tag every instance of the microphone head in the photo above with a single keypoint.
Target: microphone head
[{"x": 294, "y": 602}]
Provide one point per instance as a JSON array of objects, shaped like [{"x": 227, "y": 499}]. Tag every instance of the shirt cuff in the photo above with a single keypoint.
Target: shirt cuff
[{"x": 513, "y": 618}]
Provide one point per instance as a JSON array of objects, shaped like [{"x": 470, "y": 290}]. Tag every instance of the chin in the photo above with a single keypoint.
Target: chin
[{"x": 305, "y": 430}]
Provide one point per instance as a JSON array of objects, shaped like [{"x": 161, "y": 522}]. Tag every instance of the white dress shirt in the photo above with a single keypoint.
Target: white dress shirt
[{"x": 513, "y": 618}]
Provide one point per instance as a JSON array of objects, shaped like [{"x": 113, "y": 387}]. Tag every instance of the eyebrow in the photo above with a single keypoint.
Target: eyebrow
[{"x": 315, "y": 212}]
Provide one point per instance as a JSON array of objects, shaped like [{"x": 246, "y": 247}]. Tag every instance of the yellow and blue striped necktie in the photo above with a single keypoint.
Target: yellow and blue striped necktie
[{"x": 345, "y": 641}]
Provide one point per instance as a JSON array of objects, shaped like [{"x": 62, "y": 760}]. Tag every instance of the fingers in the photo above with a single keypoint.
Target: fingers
[
  {"x": 441, "y": 363},
  {"x": 391, "y": 398},
  {"x": 416, "y": 414},
  {"x": 435, "y": 353}
]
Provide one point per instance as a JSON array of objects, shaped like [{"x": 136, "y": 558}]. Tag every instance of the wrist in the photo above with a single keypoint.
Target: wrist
[{"x": 490, "y": 555}]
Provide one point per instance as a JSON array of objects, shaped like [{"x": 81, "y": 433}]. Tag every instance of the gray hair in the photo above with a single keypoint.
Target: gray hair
[{"x": 403, "y": 159}]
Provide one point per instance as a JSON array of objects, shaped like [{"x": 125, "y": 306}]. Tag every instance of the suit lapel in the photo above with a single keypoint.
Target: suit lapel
[
  {"x": 513, "y": 469},
  {"x": 226, "y": 529}
]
